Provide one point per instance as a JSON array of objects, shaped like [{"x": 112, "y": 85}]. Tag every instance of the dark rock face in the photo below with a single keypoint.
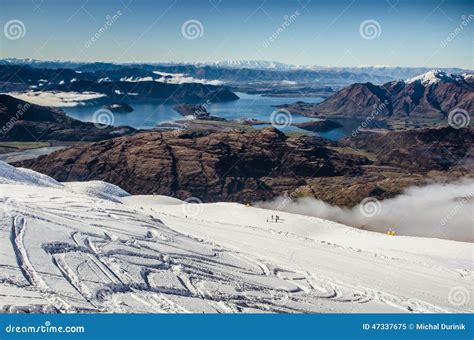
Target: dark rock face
[
  {"x": 218, "y": 166},
  {"x": 419, "y": 149},
  {"x": 429, "y": 100},
  {"x": 302, "y": 108},
  {"x": 197, "y": 111},
  {"x": 355, "y": 101},
  {"x": 23, "y": 121},
  {"x": 319, "y": 125}
]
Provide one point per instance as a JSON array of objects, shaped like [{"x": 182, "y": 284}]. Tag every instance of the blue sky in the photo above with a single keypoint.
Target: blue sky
[{"x": 407, "y": 33}]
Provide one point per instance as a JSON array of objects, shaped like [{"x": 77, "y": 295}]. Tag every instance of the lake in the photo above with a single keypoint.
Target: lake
[{"x": 148, "y": 115}]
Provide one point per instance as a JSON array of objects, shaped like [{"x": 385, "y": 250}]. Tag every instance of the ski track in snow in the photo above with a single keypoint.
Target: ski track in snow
[
  {"x": 72, "y": 252},
  {"x": 427, "y": 291},
  {"x": 110, "y": 272}
]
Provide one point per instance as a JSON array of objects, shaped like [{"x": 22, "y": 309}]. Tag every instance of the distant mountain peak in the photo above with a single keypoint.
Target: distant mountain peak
[
  {"x": 255, "y": 64},
  {"x": 434, "y": 77}
]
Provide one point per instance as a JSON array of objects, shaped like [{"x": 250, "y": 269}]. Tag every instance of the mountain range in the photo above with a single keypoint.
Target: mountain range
[
  {"x": 430, "y": 96},
  {"x": 125, "y": 82},
  {"x": 250, "y": 70}
]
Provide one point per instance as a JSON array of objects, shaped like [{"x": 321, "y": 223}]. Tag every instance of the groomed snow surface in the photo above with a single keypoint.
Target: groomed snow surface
[{"x": 91, "y": 247}]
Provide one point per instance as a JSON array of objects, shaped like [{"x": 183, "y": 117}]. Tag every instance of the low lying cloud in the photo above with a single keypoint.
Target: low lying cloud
[
  {"x": 170, "y": 78},
  {"x": 438, "y": 210},
  {"x": 181, "y": 78},
  {"x": 288, "y": 82},
  {"x": 56, "y": 98}
]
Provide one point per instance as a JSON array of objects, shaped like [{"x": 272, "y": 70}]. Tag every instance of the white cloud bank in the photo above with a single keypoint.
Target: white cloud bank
[
  {"x": 170, "y": 78},
  {"x": 438, "y": 210},
  {"x": 56, "y": 98},
  {"x": 180, "y": 78}
]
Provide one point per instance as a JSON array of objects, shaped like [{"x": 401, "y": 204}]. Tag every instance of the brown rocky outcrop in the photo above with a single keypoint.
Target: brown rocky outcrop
[
  {"x": 214, "y": 166},
  {"x": 423, "y": 149},
  {"x": 258, "y": 165}
]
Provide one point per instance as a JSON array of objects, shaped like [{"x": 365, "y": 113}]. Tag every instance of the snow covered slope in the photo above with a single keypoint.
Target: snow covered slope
[
  {"x": 435, "y": 76},
  {"x": 84, "y": 247}
]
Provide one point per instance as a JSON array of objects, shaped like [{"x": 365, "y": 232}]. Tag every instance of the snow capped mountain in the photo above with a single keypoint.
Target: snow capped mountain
[
  {"x": 435, "y": 76},
  {"x": 440, "y": 93},
  {"x": 112, "y": 252},
  {"x": 220, "y": 72},
  {"x": 253, "y": 64},
  {"x": 469, "y": 77},
  {"x": 257, "y": 64},
  {"x": 393, "y": 72},
  {"x": 396, "y": 72}
]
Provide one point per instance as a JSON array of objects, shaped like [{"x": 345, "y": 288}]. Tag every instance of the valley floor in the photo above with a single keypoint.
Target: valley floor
[{"x": 89, "y": 247}]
